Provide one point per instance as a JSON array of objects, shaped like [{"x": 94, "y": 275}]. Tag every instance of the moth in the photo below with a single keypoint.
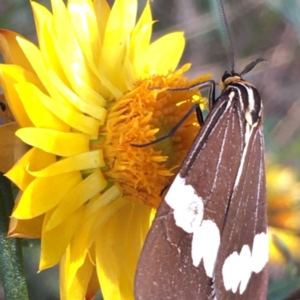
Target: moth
[{"x": 209, "y": 237}]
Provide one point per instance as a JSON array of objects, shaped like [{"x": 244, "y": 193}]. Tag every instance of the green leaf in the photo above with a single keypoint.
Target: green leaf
[{"x": 11, "y": 259}]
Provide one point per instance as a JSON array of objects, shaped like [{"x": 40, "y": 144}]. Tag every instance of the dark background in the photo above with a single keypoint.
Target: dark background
[{"x": 268, "y": 29}]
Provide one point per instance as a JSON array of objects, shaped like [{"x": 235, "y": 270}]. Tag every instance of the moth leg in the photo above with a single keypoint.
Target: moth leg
[
  {"x": 206, "y": 84},
  {"x": 173, "y": 130},
  {"x": 211, "y": 85}
]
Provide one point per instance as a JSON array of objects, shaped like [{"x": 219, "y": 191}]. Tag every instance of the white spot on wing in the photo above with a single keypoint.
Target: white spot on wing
[
  {"x": 230, "y": 272},
  {"x": 260, "y": 252},
  {"x": 205, "y": 244},
  {"x": 245, "y": 267},
  {"x": 237, "y": 268},
  {"x": 187, "y": 205},
  {"x": 188, "y": 214}
]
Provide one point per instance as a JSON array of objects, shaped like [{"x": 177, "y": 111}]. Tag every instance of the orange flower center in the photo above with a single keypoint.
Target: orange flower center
[{"x": 140, "y": 116}]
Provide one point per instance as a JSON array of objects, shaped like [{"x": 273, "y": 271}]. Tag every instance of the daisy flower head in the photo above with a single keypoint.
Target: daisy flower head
[{"x": 94, "y": 85}]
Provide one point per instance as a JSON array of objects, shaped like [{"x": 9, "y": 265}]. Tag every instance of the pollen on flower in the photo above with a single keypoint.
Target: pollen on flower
[{"x": 142, "y": 115}]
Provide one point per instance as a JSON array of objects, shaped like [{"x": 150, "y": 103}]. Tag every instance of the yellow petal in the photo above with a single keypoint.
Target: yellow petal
[
  {"x": 76, "y": 120},
  {"x": 47, "y": 112},
  {"x": 93, "y": 218},
  {"x": 11, "y": 147},
  {"x": 166, "y": 58},
  {"x": 65, "y": 34},
  {"x": 141, "y": 37},
  {"x": 81, "y": 78},
  {"x": 121, "y": 241},
  {"x": 114, "y": 276},
  {"x": 85, "y": 25},
  {"x": 35, "y": 158},
  {"x": 9, "y": 76},
  {"x": 101, "y": 200},
  {"x": 89, "y": 160},
  {"x": 56, "y": 61},
  {"x": 78, "y": 250},
  {"x": 38, "y": 113},
  {"x": 93, "y": 286},
  {"x": 25, "y": 228},
  {"x": 40, "y": 67},
  {"x": 11, "y": 51},
  {"x": 35, "y": 201},
  {"x": 78, "y": 255},
  {"x": 44, "y": 21},
  {"x": 34, "y": 55},
  {"x": 90, "y": 105},
  {"x": 138, "y": 220},
  {"x": 144, "y": 26},
  {"x": 118, "y": 29},
  {"x": 44, "y": 26},
  {"x": 31, "y": 228},
  {"x": 81, "y": 193},
  {"x": 83, "y": 16},
  {"x": 59, "y": 236},
  {"x": 56, "y": 142},
  {"x": 77, "y": 288},
  {"x": 102, "y": 11},
  {"x": 41, "y": 16}
]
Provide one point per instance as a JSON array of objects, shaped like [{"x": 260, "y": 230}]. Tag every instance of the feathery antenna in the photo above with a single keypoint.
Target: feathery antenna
[{"x": 227, "y": 37}]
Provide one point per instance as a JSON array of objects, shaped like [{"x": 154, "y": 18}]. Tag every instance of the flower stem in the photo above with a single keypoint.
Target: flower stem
[{"x": 11, "y": 258}]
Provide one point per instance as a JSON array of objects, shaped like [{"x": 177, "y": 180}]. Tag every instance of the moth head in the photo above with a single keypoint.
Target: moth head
[
  {"x": 233, "y": 77},
  {"x": 229, "y": 78}
]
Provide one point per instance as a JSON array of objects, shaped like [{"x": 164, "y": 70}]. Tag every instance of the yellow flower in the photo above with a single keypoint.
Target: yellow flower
[
  {"x": 283, "y": 216},
  {"x": 80, "y": 99}
]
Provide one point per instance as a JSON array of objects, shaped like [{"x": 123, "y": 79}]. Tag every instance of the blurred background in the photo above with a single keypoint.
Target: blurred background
[{"x": 268, "y": 29}]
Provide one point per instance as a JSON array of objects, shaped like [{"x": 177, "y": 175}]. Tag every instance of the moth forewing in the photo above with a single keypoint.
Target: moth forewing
[
  {"x": 164, "y": 270},
  {"x": 241, "y": 266},
  {"x": 200, "y": 222},
  {"x": 209, "y": 237}
]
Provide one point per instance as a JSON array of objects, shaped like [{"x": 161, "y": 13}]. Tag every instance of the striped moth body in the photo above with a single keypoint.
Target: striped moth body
[{"x": 209, "y": 237}]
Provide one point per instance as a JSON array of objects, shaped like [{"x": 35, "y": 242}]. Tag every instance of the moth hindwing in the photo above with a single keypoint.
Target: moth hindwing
[{"x": 209, "y": 237}]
